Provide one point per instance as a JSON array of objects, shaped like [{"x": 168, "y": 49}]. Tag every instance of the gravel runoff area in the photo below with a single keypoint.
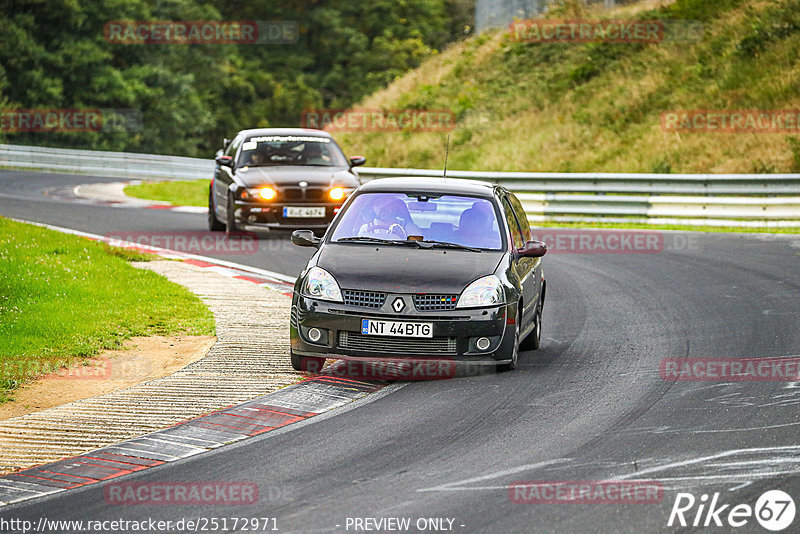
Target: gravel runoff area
[{"x": 250, "y": 358}]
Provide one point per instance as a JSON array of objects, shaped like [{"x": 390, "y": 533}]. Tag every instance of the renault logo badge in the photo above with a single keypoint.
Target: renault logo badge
[{"x": 398, "y": 304}]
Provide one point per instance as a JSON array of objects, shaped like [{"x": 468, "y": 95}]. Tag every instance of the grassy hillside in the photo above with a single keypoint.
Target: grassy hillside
[{"x": 596, "y": 107}]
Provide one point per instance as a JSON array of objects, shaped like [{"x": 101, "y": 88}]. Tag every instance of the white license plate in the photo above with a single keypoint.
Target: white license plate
[
  {"x": 304, "y": 212},
  {"x": 370, "y": 327}
]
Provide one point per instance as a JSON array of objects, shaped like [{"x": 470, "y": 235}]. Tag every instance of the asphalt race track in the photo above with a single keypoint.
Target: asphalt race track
[{"x": 589, "y": 405}]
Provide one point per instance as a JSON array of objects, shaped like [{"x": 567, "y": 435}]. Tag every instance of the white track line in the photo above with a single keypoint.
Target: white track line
[{"x": 246, "y": 268}]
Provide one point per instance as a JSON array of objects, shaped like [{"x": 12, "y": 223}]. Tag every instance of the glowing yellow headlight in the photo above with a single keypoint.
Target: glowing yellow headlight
[
  {"x": 267, "y": 193},
  {"x": 337, "y": 193}
]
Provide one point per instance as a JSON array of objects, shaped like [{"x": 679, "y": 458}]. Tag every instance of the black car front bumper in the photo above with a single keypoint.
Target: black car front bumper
[
  {"x": 455, "y": 332},
  {"x": 271, "y": 214}
]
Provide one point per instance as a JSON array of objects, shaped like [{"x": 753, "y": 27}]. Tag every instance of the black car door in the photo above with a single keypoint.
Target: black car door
[
  {"x": 223, "y": 178},
  {"x": 536, "y": 276},
  {"x": 525, "y": 268}
]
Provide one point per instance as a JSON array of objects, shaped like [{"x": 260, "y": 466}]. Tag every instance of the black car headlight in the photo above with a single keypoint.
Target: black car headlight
[
  {"x": 486, "y": 291},
  {"x": 258, "y": 193},
  {"x": 320, "y": 284}
]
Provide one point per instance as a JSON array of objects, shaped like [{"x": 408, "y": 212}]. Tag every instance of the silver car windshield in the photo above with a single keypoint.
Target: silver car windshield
[
  {"x": 465, "y": 221},
  {"x": 273, "y": 150}
]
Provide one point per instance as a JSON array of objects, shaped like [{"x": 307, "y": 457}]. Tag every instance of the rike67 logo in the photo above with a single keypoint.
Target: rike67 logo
[{"x": 774, "y": 510}]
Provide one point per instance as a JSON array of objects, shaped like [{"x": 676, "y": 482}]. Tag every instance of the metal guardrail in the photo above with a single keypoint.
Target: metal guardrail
[
  {"x": 731, "y": 199},
  {"x": 117, "y": 165},
  {"x": 625, "y": 183}
]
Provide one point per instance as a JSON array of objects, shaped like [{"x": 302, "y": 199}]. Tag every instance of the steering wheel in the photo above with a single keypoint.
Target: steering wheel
[
  {"x": 396, "y": 229},
  {"x": 390, "y": 229}
]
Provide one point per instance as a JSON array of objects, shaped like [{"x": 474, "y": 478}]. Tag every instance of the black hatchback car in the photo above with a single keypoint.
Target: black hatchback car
[
  {"x": 427, "y": 268},
  {"x": 279, "y": 178}
]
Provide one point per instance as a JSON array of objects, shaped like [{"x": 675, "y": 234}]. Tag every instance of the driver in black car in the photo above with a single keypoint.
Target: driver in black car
[
  {"x": 392, "y": 221},
  {"x": 314, "y": 154},
  {"x": 257, "y": 158}
]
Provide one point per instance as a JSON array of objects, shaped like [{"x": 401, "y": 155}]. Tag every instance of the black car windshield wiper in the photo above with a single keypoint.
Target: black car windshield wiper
[
  {"x": 446, "y": 244},
  {"x": 366, "y": 239}
]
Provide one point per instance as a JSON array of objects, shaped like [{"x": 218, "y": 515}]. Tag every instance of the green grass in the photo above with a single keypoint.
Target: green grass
[
  {"x": 596, "y": 107},
  {"x": 179, "y": 193},
  {"x": 63, "y": 298}
]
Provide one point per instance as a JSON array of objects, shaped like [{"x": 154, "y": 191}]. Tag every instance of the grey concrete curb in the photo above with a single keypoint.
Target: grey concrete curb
[{"x": 250, "y": 358}]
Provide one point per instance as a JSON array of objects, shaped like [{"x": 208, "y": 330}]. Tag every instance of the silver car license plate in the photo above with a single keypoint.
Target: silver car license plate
[{"x": 304, "y": 212}]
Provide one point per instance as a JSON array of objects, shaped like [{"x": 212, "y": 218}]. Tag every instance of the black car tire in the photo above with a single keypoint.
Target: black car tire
[
  {"x": 230, "y": 216},
  {"x": 502, "y": 367},
  {"x": 213, "y": 223},
  {"x": 534, "y": 339},
  {"x": 309, "y": 364}
]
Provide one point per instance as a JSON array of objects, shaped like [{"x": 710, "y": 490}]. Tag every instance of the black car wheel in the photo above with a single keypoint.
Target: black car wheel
[
  {"x": 213, "y": 223},
  {"x": 230, "y": 227},
  {"x": 515, "y": 349},
  {"x": 310, "y": 364},
  {"x": 535, "y": 337}
]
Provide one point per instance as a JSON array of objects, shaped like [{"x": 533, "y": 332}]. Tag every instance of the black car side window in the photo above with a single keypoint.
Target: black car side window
[
  {"x": 513, "y": 225},
  {"x": 522, "y": 217}
]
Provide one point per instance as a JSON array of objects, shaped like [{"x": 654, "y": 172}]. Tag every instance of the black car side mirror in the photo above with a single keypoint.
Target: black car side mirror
[
  {"x": 226, "y": 161},
  {"x": 533, "y": 249},
  {"x": 305, "y": 238},
  {"x": 355, "y": 161}
]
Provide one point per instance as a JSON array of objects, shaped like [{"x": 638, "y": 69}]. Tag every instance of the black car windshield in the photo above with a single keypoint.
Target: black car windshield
[
  {"x": 272, "y": 150},
  {"x": 466, "y": 221}
]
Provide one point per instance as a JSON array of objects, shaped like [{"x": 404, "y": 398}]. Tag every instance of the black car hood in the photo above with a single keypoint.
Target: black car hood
[
  {"x": 292, "y": 175},
  {"x": 400, "y": 269}
]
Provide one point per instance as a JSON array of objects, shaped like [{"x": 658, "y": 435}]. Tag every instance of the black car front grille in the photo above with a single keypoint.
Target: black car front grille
[
  {"x": 364, "y": 299},
  {"x": 311, "y": 194},
  {"x": 434, "y": 302},
  {"x": 292, "y": 194},
  {"x": 397, "y": 345},
  {"x": 315, "y": 194}
]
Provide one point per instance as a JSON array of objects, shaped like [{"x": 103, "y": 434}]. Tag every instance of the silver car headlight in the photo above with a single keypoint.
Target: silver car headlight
[
  {"x": 320, "y": 284},
  {"x": 486, "y": 291}
]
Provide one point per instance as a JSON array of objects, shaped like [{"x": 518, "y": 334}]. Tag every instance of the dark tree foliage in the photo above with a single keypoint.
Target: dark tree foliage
[{"x": 53, "y": 54}]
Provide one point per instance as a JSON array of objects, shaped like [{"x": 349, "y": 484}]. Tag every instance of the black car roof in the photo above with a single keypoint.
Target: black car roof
[
  {"x": 430, "y": 185},
  {"x": 286, "y": 131}
]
